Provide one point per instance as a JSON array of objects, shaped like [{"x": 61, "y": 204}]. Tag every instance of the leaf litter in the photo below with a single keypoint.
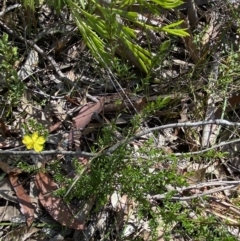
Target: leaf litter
[
  {"x": 59, "y": 115},
  {"x": 55, "y": 205}
]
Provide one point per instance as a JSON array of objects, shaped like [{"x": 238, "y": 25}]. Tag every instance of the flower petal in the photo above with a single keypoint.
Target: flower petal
[
  {"x": 35, "y": 136},
  {"x": 27, "y": 139},
  {"x": 40, "y": 140},
  {"x": 37, "y": 147},
  {"x": 29, "y": 145}
]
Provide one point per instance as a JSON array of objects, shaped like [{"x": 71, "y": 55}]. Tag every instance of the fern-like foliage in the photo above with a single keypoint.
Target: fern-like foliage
[{"x": 108, "y": 26}]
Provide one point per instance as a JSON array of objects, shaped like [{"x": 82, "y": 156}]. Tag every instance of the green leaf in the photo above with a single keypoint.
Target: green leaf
[
  {"x": 128, "y": 32},
  {"x": 29, "y": 3},
  {"x": 82, "y": 2},
  {"x": 165, "y": 46},
  {"x": 93, "y": 41},
  {"x": 132, "y": 16},
  {"x": 139, "y": 53},
  {"x": 126, "y": 3},
  {"x": 166, "y": 100},
  {"x": 177, "y": 32},
  {"x": 168, "y": 3},
  {"x": 172, "y": 25},
  {"x": 95, "y": 23}
]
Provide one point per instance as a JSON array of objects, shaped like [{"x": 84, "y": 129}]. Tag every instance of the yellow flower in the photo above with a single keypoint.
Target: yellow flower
[{"x": 34, "y": 142}]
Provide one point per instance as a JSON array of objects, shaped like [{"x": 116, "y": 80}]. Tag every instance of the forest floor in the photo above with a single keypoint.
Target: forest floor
[{"x": 124, "y": 152}]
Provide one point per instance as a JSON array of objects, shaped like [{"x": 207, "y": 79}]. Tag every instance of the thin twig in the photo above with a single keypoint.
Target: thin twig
[
  {"x": 9, "y": 9},
  {"x": 224, "y": 143},
  {"x": 70, "y": 153},
  {"x": 87, "y": 154},
  {"x": 175, "y": 125},
  {"x": 211, "y": 191},
  {"x": 211, "y": 183},
  {"x": 125, "y": 141}
]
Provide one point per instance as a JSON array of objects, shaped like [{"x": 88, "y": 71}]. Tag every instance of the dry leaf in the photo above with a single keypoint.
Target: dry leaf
[
  {"x": 26, "y": 206},
  {"x": 115, "y": 198},
  {"x": 188, "y": 41},
  {"x": 10, "y": 212},
  {"x": 233, "y": 103},
  {"x": 197, "y": 176},
  {"x": 71, "y": 75},
  {"x": 57, "y": 108},
  {"x": 25, "y": 103},
  {"x": 55, "y": 205},
  {"x": 86, "y": 113},
  {"x": 20, "y": 234},
  {"x": 28, "y": 68},
  {"x": 6, "y": 191},
  {"x": 29, "y": 233},
  {"x": 83, "y": 118},
  {"x": 8, "y": 169},
  {"x": 140, "y": 103},
  {"x": 54, "y": 127},
  {"x": 3, "y": 129}
]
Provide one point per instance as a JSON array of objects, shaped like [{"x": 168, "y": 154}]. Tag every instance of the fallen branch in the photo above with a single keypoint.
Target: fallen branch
[
  {"x": 224, "y": 143},
  {"x": 9, "y": 9},
  {"x": 208, "y": 184},
  {"x": 174, "y": 125},
  {"x": 70, "y": 153},
  {"x": 88, "y": 154},
  {"x": 125, "y": 141},
  {"x": 211, "y": 191}
]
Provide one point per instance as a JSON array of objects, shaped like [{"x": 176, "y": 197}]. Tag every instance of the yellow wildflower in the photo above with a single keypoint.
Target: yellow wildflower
[{"x": 34, "y": 141}]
